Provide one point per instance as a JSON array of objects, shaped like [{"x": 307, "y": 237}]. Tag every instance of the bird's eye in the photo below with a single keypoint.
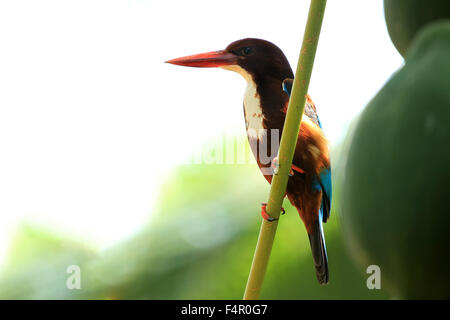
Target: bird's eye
[{"x": 246, "y": 51}]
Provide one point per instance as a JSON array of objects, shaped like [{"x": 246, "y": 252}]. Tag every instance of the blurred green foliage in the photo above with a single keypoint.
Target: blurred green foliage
[
  {"x": 397, "y": 173},
  {"x": 198, "y": 245},
  {"x": 405, "y": 18}
]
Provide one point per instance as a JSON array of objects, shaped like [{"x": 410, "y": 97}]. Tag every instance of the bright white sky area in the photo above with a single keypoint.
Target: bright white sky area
[{"x": 92, "y": 120}]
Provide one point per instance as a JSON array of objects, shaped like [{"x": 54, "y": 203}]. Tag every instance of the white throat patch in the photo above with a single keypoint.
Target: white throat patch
[{"x": 252, "y": 105}]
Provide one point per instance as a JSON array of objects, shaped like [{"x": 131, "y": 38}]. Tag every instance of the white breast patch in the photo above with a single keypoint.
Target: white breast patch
[
  {"x": 252, "y": 105},
  {"x": 253, "y": 112}
]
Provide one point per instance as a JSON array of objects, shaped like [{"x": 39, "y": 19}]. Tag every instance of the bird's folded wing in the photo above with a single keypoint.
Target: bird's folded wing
[
  {"x": 310, "y": 108},
  {"x": 323, "y": 182}
]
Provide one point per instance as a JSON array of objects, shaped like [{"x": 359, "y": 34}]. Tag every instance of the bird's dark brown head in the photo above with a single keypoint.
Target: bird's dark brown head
[
  {"x": 250, "y": 57},
  {"x": 261, "y": 58}
]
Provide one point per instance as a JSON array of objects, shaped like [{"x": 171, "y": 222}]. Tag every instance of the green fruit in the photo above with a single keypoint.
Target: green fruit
[
  {"x": 395, "y": 206},
  {"x": 404, "y": 18}
]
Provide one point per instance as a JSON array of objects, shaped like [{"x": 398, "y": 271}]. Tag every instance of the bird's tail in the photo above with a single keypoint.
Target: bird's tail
[{"x": 319, "y": 252}]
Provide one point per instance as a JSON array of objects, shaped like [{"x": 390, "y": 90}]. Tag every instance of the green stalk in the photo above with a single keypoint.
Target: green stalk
[{"x": 287, "y": 148}]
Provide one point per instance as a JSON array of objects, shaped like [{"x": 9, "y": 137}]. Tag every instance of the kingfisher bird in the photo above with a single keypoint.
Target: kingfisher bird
[{"x": 269, "y": 79}]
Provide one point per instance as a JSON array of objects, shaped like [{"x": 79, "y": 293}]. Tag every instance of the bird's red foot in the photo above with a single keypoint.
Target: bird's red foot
[
  {"x": 296, "y": 168},
  {"x": 266, "y": 216},
  {"x": 275, "y": 165}
]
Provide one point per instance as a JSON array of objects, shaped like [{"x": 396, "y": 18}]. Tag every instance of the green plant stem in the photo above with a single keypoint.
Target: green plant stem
[{"x": 287, "y": 148}]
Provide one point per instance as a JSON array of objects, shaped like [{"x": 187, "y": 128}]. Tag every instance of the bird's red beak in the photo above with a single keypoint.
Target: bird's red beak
[{"x": 207, "y": 60}]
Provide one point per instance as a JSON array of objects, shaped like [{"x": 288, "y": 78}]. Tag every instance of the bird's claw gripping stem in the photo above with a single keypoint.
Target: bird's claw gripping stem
[
  {"x": 266, "y": 216},
  {"x": 276, "y": 165}
]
